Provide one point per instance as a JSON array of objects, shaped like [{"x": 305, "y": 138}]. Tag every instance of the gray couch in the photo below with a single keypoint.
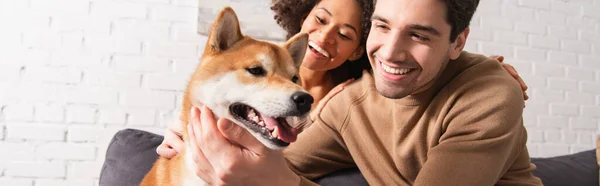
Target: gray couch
[{"x": 131, "y": 154}]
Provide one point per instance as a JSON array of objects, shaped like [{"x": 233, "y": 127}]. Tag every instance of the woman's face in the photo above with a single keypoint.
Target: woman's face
[{"x": 334, "y": 28}]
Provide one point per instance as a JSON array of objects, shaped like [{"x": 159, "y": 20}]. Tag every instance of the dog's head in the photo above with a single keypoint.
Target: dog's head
[{"x": 252, "y": 83}]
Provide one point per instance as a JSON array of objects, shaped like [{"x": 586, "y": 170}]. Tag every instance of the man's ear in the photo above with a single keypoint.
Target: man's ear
[
  {"x": 357, "y": 53},
  {"x": 225, "y": 31},
  {"x": 459, "y": 44}
]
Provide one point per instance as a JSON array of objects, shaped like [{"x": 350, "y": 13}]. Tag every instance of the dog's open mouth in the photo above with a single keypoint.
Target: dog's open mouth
[{"x": 275, "y": 129}]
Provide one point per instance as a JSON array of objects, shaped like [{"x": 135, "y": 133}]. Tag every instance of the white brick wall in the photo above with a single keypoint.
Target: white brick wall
[{"x": 71, "y": 76}]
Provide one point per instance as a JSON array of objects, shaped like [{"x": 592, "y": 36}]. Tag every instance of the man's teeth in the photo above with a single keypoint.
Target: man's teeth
[
  {"x": 318, "y": 49},
  {"x": 399, "y": 71}
]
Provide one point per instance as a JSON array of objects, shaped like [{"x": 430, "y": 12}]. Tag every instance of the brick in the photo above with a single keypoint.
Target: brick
[
  {"x": 585, "y": 23},
  {"x": 553, "y": 121},
  {"x": 592, "y": 11},
  {"x": 10, "y": 72},
  {"x": 519, "y": 13},
  {"x": 513, "y": 38},
  {"x": 112, "y": 79},
  {"x": 562, "y": 32},
  {"x": 174, "y": 14},
  {"x": 551, "y": 18},
  {"x": 114, "y": 44},
  {"x": 17, "y": 151},
  {"x": 152, "y": 99},
  {"x": 84, "y": 133},
  {"x": 187, "y": 67},
  {"x": 185, "y": 32},
  {"x": 49, "y": 113},
  {"x": 551, "y": 150},
  {"x": 113, "y": 116},
  {"x": 564, "y": 110},
  {"x": 56, "y": 7},
  {"x": 548, "y": 95},
  {"x": 74, "y": 182},
  {"x": 536, "y": 4},
  {"x": 118, "y": 9},
  {"x": 579, "y": 47},
  {"x": 588, "y": 35},
  {"x": 544, "y": 42},
  {"x": 18, "y": 113},
  {"x": 496, "y": 22},
  {"x": 534, "y": 135},
  {"x": 553, "y": 136},
  {"x": 562, "y": 58},
  {"x": 141, "y": 64},
  {"x": 530, "y": 54},
  {"x": 141, "y": 29},
  {"x": 153, "y": 1},
  {"x": 16, "y": 181},
  {"x": 581, "y": 98},
  {"x": 84, "y": 170},
  {"x": 77, "y": 58},
  {"x": 570, "y": 137},
  {"x": 566, "y": 8},
  {"x": 562, "y": 84},
  {"x": 146, "y": 117},
  {"x": 33, "y": 92},
  {"x": 54, "y": 169},
  {"x": 22, "y": 131},
  {"x": 591, "y": 62},
  {"x": 583, "y": 123},
  {"x": 65, "y": 151},
  {"x": 52, "y": 75},
  {"x": 530, "y": 27},
  {"x": 172, "y": 49},
  {"x": 580, "y": 74},
  {"x": 590, "y": 111},
  {"x": 496, "y": 49},
  {"x": 81, "y": 114},
  {"x": 549, "y": 71},
  {"x": 166, "y": 81},
  {"x": 590, "y": 87},
  {"x": 581, "y": 148},
  {"x": 90, "y": 95},
  {"x": 586, "y": 138}
]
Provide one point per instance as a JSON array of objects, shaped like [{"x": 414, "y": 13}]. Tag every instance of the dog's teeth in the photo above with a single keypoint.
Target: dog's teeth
[{"x": 275, "y": 132}]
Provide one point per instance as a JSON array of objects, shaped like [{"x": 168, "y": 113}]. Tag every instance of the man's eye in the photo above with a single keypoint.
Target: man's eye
[
  {"x": 256, "y": 71},
  {"x": 295, "y": 79},
  {"x": 419, "y": 37}
]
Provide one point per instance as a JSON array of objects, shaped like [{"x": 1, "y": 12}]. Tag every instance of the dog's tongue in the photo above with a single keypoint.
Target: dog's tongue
[{"x": 285, "y": 132}]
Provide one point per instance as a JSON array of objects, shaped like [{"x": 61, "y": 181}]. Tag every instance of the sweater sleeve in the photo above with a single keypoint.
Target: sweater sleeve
[
  {"x": 483, "y": 133},
  {"x": 319, "y": 149}
]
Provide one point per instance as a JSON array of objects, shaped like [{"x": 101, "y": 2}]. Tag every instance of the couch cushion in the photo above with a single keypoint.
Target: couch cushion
[
  {"x": 578, "y": 169},
  {"x": 130, "y": 155}
]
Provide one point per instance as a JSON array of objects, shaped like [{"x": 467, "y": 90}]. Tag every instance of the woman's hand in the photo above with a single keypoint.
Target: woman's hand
[
  {"x": 172, "y": 143},
  {"x": 226, "y": 154},
  {"x": 513, "y": 72}
]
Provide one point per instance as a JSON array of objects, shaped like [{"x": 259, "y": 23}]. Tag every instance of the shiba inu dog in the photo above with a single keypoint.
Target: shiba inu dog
[{"x": 250, "y": 82}]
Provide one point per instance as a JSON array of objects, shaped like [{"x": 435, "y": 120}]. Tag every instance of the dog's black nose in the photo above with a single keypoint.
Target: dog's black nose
[{"x": 303, "y": 101}]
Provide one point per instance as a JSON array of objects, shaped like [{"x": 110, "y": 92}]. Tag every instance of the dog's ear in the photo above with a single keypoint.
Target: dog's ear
[
  {"x": 296, "y": 46},
  {"x": 225, "y": 31}
]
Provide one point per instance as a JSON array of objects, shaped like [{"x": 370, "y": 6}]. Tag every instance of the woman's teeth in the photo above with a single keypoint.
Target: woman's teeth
[
  {"x": 318, "y": 49},
  {"x": 397, "y": 71}
]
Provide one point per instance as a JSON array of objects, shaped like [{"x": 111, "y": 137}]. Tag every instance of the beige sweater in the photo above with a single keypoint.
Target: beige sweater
[{"x": 467, "y": 129}]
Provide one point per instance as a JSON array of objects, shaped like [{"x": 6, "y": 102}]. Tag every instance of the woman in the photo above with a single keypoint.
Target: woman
[{"x": 337, "y": 31}]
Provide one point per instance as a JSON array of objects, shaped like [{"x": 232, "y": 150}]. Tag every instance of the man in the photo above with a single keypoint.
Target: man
[{"x": 428, "y": 114}]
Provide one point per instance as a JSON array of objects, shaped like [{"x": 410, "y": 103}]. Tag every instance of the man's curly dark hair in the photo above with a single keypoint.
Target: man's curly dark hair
[{"x": 290, "y": 13}]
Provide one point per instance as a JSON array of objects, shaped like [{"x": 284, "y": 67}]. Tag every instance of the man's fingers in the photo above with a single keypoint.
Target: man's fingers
[
  {"x": 240, "y": 136},
  {"x": 203, "y": 167},
  {"x": 165, "y": 151}
]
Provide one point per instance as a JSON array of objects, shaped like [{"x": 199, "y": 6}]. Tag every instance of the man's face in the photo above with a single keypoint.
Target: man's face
[{"x": 409, "y": 45}]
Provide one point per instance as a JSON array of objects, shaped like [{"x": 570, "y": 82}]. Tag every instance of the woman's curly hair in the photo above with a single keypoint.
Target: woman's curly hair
[{"x": 290, "y": 13}]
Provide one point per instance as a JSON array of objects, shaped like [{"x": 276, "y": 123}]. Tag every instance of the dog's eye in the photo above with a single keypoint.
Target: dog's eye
[
  {"x": 257, "y": 71},
  {"x": 295, "y": 79}
]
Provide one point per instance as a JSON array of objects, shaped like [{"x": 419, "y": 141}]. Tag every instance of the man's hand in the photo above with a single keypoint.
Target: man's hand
[{"x": 226, "y": 154}]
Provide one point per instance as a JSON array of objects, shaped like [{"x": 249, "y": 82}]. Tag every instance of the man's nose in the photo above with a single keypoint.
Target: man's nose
[{"x": 393, "y": 49}]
